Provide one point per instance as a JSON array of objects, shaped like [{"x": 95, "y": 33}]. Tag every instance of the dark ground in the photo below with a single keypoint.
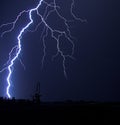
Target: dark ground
[{"x": 58, "y": 113}]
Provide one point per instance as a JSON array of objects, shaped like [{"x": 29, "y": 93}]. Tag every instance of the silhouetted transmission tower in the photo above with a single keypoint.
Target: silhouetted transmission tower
[{"x": 37, "y": 95}]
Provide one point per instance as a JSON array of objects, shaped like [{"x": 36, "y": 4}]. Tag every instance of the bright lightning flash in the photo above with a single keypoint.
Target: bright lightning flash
[{"x": 47, "y": 27}]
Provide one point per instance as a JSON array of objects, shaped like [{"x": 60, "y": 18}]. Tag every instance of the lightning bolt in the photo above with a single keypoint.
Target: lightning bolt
[{"x": 17, "y": 48}]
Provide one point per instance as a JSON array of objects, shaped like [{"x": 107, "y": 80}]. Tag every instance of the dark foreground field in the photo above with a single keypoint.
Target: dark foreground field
[{"x": 73, "y": 113}]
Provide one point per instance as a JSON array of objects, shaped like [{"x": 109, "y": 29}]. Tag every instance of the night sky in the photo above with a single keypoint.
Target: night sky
[{"x": 93, "y": 76}]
